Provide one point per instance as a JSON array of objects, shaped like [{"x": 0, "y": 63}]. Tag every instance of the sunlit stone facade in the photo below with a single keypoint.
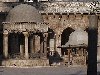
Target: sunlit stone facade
[{"x": 35, "y": 33}]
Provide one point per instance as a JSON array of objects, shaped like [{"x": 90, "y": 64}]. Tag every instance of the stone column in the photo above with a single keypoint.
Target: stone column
[
  {"x": 5, "y": 44},
  {"x": 45, "y": 44},
  {"x": 26, "y": 45},
  {"x": 37, "y": 43},
  {"x": 21, "y": 49},
  {"x": 58, "y": 43},
  {"x": 98, "y": 54},
  {"x": 92, "y": 45},
  {"x": 52, "y": 46}
]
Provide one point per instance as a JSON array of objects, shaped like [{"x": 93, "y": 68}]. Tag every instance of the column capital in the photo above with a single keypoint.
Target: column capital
[
  {"x": 5, "y": 32},
  {"x": 45, "y": 34},
  {"x": 26, "y": 34}
]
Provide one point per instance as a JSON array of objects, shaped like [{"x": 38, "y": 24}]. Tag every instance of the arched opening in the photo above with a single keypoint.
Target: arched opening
[{"x": 65, "y": 37}]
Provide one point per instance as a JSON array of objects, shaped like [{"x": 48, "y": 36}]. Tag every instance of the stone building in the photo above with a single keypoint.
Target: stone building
[{"x": 43, "y": 33}]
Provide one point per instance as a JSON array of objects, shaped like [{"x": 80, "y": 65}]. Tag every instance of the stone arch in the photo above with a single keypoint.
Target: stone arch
[{"x": 65, "y": 37}]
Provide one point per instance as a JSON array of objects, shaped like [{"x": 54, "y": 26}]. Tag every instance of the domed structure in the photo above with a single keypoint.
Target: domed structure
[
  {"x": 77, "y": 37},
  {"x": 24, "y": 13}
]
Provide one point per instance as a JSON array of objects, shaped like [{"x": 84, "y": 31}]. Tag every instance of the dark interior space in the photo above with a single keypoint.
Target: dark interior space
[
  {"x": 92, "y": 45},
  {"x": 21, "y": 39},
  {"x": 2, "y": 19},
  {"x": 41, "y": 41},
  {"x": 21, "y": 0},
  {"x": 65, "y": 37},
  {"x": 13, "y": 41}
]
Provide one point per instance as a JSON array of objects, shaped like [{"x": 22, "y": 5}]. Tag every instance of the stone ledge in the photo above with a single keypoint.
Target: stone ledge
[{"x": 25, "y": 63}]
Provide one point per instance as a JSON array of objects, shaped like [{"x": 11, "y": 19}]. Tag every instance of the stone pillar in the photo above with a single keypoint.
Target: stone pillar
[
  {"x": 21, "y": 49},
  {"x": 45, "y": 44},
  {"x": 26, "y": 45},
  {"x": 52, "y": 46},
  {"x": 5, "y": 44},
  {"x": 37, "y": 43},
  {"x": 58, "y": 43},
  {"x": 92, "y": 45},
  {"x": 98, "y": 54}
]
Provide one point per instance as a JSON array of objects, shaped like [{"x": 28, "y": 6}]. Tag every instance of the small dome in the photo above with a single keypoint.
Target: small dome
[
  {"x": 24, "y": 13},
  {"x": 77, "y": 37}
]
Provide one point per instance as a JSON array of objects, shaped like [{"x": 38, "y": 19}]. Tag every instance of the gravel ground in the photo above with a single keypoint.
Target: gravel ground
[{"x": 45, "y": 71}]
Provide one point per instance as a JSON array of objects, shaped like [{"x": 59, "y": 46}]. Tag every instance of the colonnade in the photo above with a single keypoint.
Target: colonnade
[
  {"x": 29, "y": 41},
  {"x": 25, "y": 47}
]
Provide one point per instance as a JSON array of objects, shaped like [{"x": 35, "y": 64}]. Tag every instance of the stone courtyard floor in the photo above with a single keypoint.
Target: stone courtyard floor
[{"x": 45, "y": 71}]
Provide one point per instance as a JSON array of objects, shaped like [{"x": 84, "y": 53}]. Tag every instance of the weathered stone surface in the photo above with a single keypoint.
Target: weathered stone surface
[
  {"x": 25, "y": 63},
  {"x": 24, "y": 13},
  {"x": 71, "y": 7}
]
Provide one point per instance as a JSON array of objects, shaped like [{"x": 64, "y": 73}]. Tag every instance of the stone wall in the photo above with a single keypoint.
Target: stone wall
[
  {"x": 60, "y": 22},
  {"x": 25, "y": 63}
]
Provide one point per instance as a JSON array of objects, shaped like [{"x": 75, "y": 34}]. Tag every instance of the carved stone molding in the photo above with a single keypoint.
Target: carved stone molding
[
  {"x": 5, "y": 33},
  {"x": 26, "y": 26},
  {"x": 26, "y": 34},
  {"x": 71, "y": 7}
]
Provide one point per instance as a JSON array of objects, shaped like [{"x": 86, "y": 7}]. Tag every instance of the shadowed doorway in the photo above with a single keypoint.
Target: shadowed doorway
[{"x": 65, "y": 37}]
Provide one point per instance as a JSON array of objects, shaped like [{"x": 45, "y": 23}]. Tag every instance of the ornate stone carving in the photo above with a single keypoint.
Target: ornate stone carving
[
  {"x": 5, "y": 33},
  {"x": 71, "y": 7},
  {"x": 23, "y": 26},
  {"x": 26, "y": 34}
]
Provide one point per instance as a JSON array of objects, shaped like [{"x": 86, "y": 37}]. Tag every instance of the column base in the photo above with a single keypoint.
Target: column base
[{"x": 26, "y": 57}]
